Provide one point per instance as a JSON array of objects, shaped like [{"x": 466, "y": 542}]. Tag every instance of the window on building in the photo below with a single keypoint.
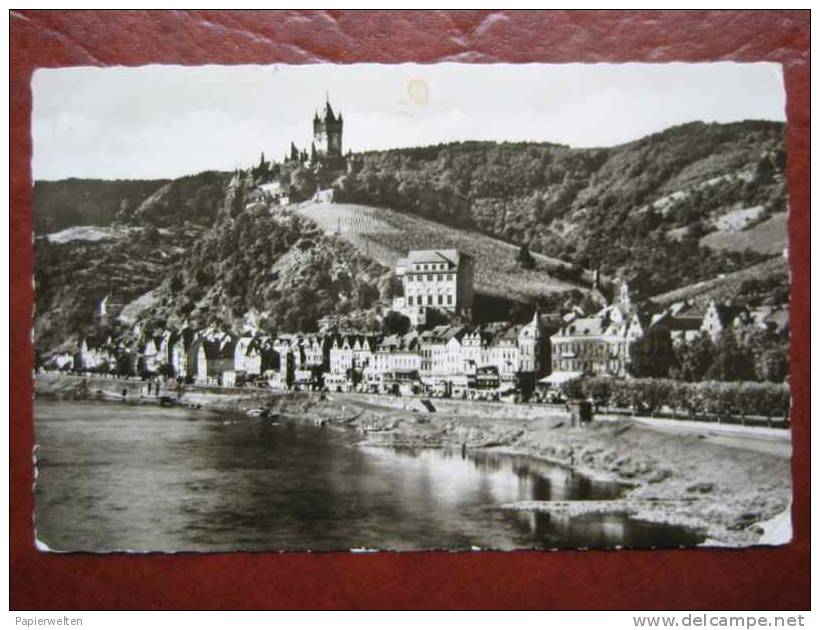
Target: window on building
[
  {"x": 449, "y": 300},
  {"x": 429, "y": 277},
  {"x": 410, "y": 300}
]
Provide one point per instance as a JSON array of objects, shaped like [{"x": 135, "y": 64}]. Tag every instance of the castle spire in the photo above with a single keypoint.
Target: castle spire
[{"x": 328, "y": 109}]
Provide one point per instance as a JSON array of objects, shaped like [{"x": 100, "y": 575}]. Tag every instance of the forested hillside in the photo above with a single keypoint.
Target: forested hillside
[
  {"x": 195, "y": 198},
  {"x": 69, "y": 202},
  {"x": 668, "y": 211},
  {"x": 279, "y": 272},
  {"x": 218, "y": 260},
  {"x": 72, "y": 277},
  {"x": 639, "y": 209}
]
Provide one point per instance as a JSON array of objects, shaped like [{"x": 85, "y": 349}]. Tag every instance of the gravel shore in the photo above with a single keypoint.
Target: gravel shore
[{"x": 723, "y": 487}]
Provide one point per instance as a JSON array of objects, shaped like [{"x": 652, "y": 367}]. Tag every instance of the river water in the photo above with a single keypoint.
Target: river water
[{"x": 114, "y": 477}]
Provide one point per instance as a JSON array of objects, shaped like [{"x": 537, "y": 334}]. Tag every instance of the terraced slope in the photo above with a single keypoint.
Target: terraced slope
[
  {"x": 767, "y": 237},
  {"x": 727, "y": 287},
  {"x": 386, "y": 235}
]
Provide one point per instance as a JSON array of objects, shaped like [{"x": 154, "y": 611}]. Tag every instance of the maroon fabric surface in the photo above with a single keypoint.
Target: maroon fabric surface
[{"x": 775, "y": 578}]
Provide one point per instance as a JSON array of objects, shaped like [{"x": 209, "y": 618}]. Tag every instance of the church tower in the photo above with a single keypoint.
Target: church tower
[{"x": 327, "y": 134}]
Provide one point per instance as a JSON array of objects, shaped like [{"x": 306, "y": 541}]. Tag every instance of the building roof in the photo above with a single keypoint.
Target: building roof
[
  {"x": 510, "y": 334},
  {"x": 584, "y": 326},
  {"x": 452, "y": 256},
  {"x": 328, "y": 114},
  {"x": 728, "y": 312},
  {"x": 442, "y": 334},
  {"x": 682, "y": 323}
]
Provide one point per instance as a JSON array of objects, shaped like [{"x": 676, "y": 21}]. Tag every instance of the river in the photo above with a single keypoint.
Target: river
[{"x": 142, "y": 478}]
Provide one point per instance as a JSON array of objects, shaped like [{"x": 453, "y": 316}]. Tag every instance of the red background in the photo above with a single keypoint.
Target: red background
[{"x": 692, "y": 579}]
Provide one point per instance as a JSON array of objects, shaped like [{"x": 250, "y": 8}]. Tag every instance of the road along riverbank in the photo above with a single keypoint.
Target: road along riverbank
[{"x": 724, "y": 488}]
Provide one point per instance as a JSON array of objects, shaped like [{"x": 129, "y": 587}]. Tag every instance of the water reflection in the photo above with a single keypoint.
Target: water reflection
[{"x": 166, "y": 479}]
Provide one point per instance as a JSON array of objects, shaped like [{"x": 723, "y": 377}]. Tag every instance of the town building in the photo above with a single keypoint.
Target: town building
[
  {"x": 435, "y": 280},
  {"x": 94, "y": 356},
  {"x": 597, "y": 344},
  {"x": 179, "y": 345},
  {"x": 590, "y": 345},
  {"x": 719, "y": 317},
  {"x": 395, "y": 364},
  {"x": 151, "y": 355},
  {"x": 683, "y": 321},
  {"x": 350, "y": 355},
  {"x": 247, "y": 360}
]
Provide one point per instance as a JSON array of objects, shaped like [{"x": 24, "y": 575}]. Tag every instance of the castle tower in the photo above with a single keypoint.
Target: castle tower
[{"x": 327, "y": 133}]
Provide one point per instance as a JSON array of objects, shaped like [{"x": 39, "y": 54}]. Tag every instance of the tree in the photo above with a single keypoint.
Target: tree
[
  {"x": 394, "y": 323},
  {"x": 366, "y": 294},
  {"x": 731, "y": 362},
  {"x": 573, "y": 389},
  {"x": 694, "y": 359},
  {"x": 773, "y": 364},
  {"x": 599, "y": 390},
  {"x": 389, "y": 287},
  {"x": 303, "y": 181},
  {"x": 765, "y": 170},
  {"x": 525, "y": 258},
  {"x": 652, "y": 354}
]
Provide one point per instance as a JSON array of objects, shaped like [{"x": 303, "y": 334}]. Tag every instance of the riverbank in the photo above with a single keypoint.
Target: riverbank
[{"x": 727, "y": 491}]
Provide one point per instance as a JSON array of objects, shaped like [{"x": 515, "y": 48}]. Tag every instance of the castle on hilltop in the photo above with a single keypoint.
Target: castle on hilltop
[
  {"x": 326, "y": 147},
  {"x": 327, "y": 135}
]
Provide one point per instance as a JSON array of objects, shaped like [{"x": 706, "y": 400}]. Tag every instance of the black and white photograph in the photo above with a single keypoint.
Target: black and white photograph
[{"x": 375, "y": 307}]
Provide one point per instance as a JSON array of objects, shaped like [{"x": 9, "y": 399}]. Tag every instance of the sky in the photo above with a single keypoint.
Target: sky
[{"x": 168, "y": 121}]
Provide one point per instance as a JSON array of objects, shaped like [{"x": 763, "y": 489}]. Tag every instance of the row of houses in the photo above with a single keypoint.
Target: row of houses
[
  {"x": 602, "y": 344},
  {"x": 449, "y": 358},
  {"x": 440, "y": 356}
]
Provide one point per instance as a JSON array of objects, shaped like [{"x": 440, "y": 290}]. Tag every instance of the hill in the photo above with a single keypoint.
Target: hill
[
  {"x": 680, "y": 211},
  {"x": 196, "y": 198},
  {"x": 76, "y": 264},
  {"x": 767, "y": 237},
  {"x": 72, "y": 202},
  {"x": 72, "y": 276},
  {"x": 386, "y": 235},
  {"x": 611, "y": 207},
  {"x": 68, "y": 203},
  {"x": 276, "y": 272},
  {"x": 768, "y": 280}
]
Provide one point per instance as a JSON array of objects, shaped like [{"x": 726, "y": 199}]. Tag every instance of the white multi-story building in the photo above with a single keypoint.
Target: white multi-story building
[
  {"x": 435, "y": 280},
  {"x": 440, "y": 351},
  {"x": 600, "y": 344},
  {"x": 248, "y": 356}
]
